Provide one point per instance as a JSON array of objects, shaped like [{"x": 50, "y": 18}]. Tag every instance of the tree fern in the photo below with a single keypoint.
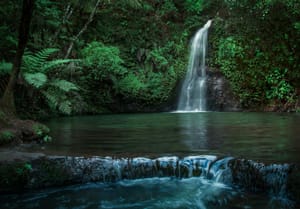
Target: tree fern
[
  {"x": 37, "y": 80},
  {"x": 64, "y": 85},
  {"x": 57, "y": 100},
  {"x": 39, "y": 62},
  {"x": 5, "y": 67},
  {"x": 65, "y": 107},
  {"x": 51, "y": 98},
  {"x": 53, "y": 64},
  {"x": 35, "y": 62},
  {"x": 37, "y": 68}
]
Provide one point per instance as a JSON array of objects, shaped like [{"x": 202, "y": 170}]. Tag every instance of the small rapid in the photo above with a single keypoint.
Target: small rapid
[{"x": 203, "y": 181}]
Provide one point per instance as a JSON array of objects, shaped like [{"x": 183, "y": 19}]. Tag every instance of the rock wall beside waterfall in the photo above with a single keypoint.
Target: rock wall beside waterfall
[{"x": 219, "y": 93}]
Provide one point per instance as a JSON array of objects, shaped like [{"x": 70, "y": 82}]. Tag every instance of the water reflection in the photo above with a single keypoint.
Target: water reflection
[
  {"x": 194, "y": 130},
  {"x": 266, "y": 137}
]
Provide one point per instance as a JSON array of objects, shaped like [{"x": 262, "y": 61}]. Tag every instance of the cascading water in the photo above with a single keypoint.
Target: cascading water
[
  {"x": 203, "y": 181},
  {"x": 193, "y": 92}
]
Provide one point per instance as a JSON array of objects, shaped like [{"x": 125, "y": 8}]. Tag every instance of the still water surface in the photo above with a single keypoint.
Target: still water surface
[{"x": 265, "y": 137}]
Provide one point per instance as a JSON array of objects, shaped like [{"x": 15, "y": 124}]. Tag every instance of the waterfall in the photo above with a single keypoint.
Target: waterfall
[{"x": 193, "y": 92}]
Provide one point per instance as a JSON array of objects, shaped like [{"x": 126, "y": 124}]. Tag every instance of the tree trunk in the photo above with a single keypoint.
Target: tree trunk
[
  {"x": 91, "y": 17},
  {"x": 7, "y": 102}
]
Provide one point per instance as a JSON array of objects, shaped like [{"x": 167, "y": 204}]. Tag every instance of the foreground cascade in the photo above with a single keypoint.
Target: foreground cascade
[
  {"x": 193, "y": 91},
  {"x": 213, "y": 175}
]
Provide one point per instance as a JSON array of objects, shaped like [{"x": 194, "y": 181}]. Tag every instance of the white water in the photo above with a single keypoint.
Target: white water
[{"x": 193, "y": 92}]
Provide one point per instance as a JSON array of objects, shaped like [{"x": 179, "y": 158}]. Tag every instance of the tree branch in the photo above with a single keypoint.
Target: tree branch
[{"x": 75, "y": 38}]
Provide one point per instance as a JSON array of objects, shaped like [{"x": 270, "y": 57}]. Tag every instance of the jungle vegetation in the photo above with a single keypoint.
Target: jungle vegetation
[{"x": 87, "y": 57}]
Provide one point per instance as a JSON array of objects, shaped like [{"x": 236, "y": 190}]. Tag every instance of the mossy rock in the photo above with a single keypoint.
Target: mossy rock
[
  {"x": 14, "y": 176},
  {"x": 24, "y": 131},
  {"x": 8, "y": 136},
  {"x": 31, "y": 130}
]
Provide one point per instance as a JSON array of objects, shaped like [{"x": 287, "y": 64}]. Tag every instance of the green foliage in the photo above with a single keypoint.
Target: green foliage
[
  {"x": 136, "y": 51},
  {"x": 23, "y": 170},
  {"x": 6, "y": 136},
  {"x": 63, "y": 85},
  {"x": 130, "y": 86},
  {"x": 260, "y": 71},
  {"x": 195, "y": 6},
  {"x": 36, "y": 70},
  {"x": 156, "y": 57},
  {"x": 47, "y": 139},
  {"x": 38, "y": 62},
  {"x": 5, "y": 68},
  {"x": 15, "y": 175},
  {"x": 37, "y": 80},
  {"x": 40, "y": 130},
  {"x": 280, "y": 89},
  {"x": 103, "y": 61}
]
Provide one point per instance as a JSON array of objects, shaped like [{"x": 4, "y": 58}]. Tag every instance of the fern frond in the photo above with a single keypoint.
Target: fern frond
[
  {"x": 5, "y": 67},
  {"x": 50, "y": 65},
  {"x": 35, "y": 62},
  {"x": 51, "y": 98},
  {"x": 37, "y": 80},
  {"x": 64, "y": 85},
  {"x": 65, "y": 107},
  {"x": 56, "y": 99},
  {"x": 44, "y": 54}
]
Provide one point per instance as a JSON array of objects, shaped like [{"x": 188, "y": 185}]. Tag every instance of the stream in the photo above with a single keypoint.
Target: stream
[{"x": 261, "y": 137}]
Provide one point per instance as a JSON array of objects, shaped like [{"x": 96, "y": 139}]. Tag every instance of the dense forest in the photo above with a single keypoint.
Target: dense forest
[{"x": 88, "y": 57}]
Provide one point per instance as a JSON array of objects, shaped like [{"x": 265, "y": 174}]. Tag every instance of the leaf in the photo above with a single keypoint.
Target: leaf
[
  {"x": 51, "y": 98},
  {"x": 37, "y": 80},
  {"x": 5, "y": 67},
  {"x": 65, "y": 107},
  {"x": 35, "y": 62},
  {"x": 39, "y": 62},
  {"x": 50, "y": 65},
  {"x": 64, "y": 85}
]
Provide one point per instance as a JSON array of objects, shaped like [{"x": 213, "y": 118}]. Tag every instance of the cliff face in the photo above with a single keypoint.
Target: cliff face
[{"x": 219, "y": 93}]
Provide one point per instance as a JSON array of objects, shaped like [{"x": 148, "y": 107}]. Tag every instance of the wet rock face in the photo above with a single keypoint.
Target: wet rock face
[
  {"x": 219, "y": 93},
  {"x": 47, "y": 171},
  {"x": 280, "y": 181}
]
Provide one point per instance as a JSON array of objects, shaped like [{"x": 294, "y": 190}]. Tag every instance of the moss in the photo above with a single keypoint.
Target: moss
[
  {"x": 6, "y": 137},
  {"x": 14, "y": 176},
  {"x": 40, "y": 130},
  {"x": 50, "y": 174}
]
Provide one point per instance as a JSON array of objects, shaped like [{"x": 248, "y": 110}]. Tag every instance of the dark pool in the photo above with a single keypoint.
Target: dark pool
[{"x": 267, "y": 137}]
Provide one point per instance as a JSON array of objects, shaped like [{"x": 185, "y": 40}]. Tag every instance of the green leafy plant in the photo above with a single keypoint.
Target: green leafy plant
[
  {"x": 102, "y": 61},
  {"x": 15, "y": 175},
  {"x": 47, "y": 139},
  {"x": 6, "y": 136},
  {"x": 5, "y": 67},
  {"x": 280, "y": 89},
  {"x": 36, "y": 70}
]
